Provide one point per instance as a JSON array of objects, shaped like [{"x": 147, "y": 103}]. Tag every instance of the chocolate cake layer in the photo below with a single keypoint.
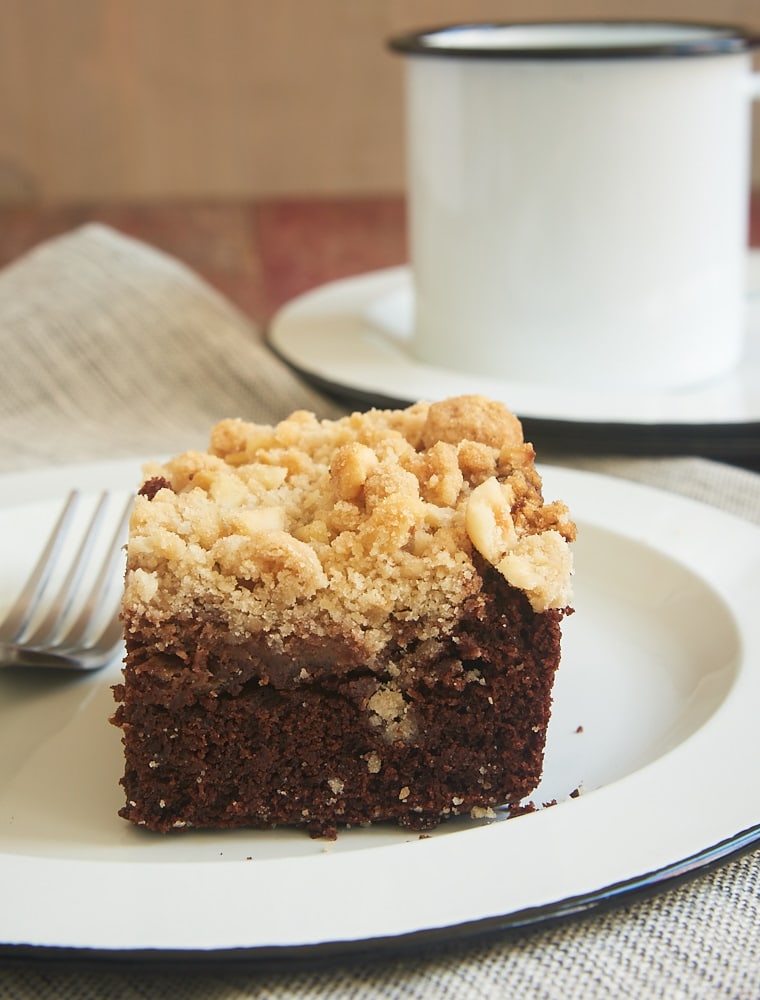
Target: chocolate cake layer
[{"x": 218, "y": 734}]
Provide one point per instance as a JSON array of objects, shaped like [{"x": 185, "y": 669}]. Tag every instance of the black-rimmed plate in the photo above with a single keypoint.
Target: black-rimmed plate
[{"x": 651, "y": 760}]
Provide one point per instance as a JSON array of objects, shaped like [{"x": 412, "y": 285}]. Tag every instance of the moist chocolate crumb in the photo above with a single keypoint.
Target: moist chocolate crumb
[{"x": 152, "y": 486}]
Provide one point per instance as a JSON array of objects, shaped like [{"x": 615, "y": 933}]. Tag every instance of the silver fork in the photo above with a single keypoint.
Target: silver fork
[{"x": 77, "y": 627}]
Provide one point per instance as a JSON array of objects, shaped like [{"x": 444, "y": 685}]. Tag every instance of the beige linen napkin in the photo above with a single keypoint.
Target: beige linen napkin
[{"x": 111, "y": 349}]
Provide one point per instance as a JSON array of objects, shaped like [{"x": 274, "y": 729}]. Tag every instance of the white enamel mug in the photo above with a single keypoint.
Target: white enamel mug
[{"x": 578, "y": 200}]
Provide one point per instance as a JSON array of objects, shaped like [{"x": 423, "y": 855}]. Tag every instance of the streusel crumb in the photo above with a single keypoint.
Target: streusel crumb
[{"x": 362, "y": 523}]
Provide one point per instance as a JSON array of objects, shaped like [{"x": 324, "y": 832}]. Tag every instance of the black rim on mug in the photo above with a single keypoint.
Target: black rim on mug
[{"x": 577, "y": 39}]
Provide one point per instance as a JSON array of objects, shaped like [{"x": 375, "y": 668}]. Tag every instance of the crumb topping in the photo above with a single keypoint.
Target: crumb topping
[{"x": 363, "y": 523}]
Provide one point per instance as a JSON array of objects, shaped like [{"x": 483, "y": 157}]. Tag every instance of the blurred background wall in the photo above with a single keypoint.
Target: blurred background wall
[{"x": 144, "y": 99}]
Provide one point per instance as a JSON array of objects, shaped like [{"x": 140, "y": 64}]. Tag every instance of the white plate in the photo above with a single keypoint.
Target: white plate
[
  {"x": 654, "y": 720},
  {"x": 353, "y": 335}
]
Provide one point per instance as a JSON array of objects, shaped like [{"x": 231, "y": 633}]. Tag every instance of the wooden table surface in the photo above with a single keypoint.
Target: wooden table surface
[{"x": 257, "y": 254}]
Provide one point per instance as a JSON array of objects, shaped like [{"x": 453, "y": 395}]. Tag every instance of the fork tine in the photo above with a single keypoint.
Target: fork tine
[
  {"x": 100, "y": 593},
  {"x": 56, "y": 642},
  {"x": 110, "y": 635},
  {"x": 47, "y": 631},
  {"x": 19, "y": 615}
]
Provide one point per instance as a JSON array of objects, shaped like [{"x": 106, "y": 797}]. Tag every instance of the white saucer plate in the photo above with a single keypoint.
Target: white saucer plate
[
  {"x": 654, "y": 727},
  {"x": 353, "y": 336}
]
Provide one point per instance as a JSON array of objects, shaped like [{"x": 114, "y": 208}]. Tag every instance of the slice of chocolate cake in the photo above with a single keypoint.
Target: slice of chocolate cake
[{"x": 342, "y": 622}]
